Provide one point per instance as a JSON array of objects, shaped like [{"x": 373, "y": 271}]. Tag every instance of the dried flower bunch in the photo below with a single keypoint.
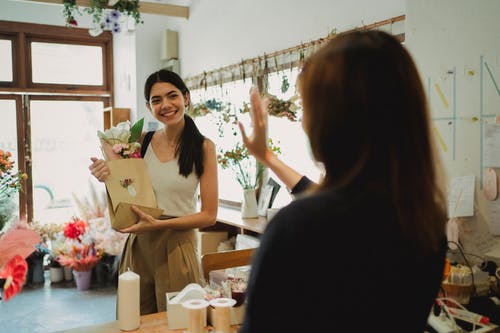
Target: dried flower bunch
[{"x": 279, "y": 108}]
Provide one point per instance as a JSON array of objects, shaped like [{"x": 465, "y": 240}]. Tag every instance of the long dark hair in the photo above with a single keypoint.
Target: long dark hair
[
  {"x": 364, "y": 88},
  {"x": 190, "y": 146}
]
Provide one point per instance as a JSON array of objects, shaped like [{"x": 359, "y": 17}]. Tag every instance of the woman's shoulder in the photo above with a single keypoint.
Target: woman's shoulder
[{"x": 208, "y": 145}]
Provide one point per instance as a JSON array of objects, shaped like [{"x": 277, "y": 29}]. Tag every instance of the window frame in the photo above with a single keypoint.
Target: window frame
[{"x": 23, "y": 90}]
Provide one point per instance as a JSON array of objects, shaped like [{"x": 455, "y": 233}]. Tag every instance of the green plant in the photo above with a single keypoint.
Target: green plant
[
  {"x": 247, "y": 170},
  {"x": 7, "y": 210},
  {"x": 105, "y": 13},
  {"x": 69, "y": 11}
]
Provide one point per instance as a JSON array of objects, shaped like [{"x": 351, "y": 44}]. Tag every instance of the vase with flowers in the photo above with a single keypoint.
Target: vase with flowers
[
  {"x": 78, "y": 251},
  {"x": 248, "y": 173}
]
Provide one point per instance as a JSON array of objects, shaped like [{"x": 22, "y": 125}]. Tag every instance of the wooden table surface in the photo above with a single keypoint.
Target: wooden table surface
[{"x": 151, "y": 323}]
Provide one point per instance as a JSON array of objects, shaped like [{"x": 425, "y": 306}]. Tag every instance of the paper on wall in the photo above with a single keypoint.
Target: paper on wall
[
  {"x": 491, "y": 153},
  {"x": 461, "y": 196}
]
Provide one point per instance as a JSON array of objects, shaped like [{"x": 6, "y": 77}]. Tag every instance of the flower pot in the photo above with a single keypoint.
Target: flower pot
[
  {"x": 37, "y": 272},
  {"x": 56, "y": 274},
  {"x": 68, "y": 273},
  {"x": 249, "y": 204},
  {"x": 83, "y": 279}
]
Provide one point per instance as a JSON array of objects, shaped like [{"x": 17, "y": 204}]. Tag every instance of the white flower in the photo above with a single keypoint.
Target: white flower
[{"x": 116, "y": 134}]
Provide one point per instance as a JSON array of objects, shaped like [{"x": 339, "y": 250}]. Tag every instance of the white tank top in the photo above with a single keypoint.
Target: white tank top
[{"x": 175, "y": 194}]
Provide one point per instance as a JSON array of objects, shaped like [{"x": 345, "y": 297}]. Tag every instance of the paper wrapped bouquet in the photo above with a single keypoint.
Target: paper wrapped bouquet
[{"x": 129, "y": 183}]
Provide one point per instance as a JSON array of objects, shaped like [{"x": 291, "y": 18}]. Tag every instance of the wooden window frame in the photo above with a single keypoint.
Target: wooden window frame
[{"x": 23, "y": 90}]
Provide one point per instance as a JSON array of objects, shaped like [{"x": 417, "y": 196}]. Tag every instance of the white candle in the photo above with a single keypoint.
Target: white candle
[{"x": 129, "y": 314}]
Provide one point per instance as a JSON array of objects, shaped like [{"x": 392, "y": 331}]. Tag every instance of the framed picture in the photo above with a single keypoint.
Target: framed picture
[
  {"x": 267, "y": 196},
  {"x": 276, "y": 188},
  {"x": 264, "y": 199}
]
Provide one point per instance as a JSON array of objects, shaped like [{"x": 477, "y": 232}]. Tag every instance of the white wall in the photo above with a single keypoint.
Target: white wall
[
  {"x": 451, "y": 40},
  {"x": 222, "y": 32},
  {"x": 217, "y": 33}
]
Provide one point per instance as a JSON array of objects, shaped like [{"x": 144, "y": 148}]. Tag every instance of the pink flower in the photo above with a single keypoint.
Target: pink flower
[
  {"x": 74, "y": 229},
  {"x": 119, "y": 147},
  {"x": 136, "y": 154},
  {"x": 14, "y": 273}
]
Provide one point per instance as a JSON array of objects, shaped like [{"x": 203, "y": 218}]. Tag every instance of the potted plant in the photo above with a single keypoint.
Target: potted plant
[
  {"x": 79, "y": 252},
  {"x": 56, "y": 270},
  {"x": 106, "y": 14},
  {"x": 248, "y": 173}
]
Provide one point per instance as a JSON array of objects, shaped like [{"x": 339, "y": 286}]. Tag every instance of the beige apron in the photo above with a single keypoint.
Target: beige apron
[{"x": 166, "y": 261}]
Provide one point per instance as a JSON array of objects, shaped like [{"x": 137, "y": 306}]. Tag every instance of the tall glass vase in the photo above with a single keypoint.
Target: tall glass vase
[{"x": 249, "y": 204}]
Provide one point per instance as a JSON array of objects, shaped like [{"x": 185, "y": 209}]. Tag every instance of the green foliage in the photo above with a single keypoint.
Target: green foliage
[
  {"x": 247, "y": 170},
  {"x": 7, "y": 212},
  {"x": 136, "y": 131}
]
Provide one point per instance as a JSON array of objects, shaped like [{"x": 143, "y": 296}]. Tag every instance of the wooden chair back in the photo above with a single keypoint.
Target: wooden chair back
[{"x": 225, "y": 259}]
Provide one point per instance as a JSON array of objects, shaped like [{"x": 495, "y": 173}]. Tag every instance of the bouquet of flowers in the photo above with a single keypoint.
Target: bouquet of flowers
[
  {"x": 129, "y": 183},
  {"x": 78, "y": 250},
  {"x": 120, "y": 141}
]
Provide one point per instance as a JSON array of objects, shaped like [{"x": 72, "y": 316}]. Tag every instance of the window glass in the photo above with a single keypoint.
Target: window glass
[
  {"x": 64, "y": 136},
  {"x": 289, "y": 135},
  {"x": 225, "y": 135},
  {"x": 6, "y": 60},
  {"x": 66, "y": 64}
]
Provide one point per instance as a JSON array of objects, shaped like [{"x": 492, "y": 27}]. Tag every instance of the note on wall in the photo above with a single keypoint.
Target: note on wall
[
  {"x": 461, "y": 197},
  {"x": 491, "y": 156}
]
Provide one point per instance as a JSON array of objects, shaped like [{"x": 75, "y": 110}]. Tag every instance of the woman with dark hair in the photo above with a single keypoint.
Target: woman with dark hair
[
  {"x": 378, "y": 216},
  {"x": 179, "y": 159}
]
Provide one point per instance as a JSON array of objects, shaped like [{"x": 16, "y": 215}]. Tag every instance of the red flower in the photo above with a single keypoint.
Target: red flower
[
  {"x": 72, "y": 22},
  {"x": 14, "y": 273},
  {"x": 74, "y": 229}
]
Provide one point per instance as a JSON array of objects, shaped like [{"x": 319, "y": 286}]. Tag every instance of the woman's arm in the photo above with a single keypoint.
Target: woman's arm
[
  {"x": 256, "y": 143},
  {"x": 209, "y": 201}
]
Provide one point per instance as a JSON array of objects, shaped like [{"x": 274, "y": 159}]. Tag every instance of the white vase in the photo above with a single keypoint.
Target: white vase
[
  {"x": 56, "y": 274},
  {"x": 249, "y": 204}
]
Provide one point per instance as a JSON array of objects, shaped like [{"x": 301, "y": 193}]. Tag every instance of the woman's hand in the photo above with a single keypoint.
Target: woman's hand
[
  {"x": 145, "y": 223},
  {"x": 99, "y": 169},
  {"x": 256, "y": 143}
]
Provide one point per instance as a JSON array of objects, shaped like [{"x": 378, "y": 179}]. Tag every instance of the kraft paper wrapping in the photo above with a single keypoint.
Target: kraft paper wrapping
[{"x": 129, "y": 184}]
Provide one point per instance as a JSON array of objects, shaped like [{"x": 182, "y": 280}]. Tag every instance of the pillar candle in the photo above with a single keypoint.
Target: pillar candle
[
  {"x": 222, "y": 314},
  {"x": 195, "y": 308},
  {"x": 129, "y": 314}
]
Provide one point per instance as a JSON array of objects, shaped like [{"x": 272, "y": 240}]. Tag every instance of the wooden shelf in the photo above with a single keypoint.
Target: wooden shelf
[{"x": 230, "y": 219}]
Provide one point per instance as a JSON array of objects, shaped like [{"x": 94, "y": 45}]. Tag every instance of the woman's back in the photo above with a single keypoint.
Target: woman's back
[{"x": 377, "y": 279}]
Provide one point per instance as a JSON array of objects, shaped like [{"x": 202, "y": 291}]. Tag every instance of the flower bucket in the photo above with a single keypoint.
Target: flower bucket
[
  {"x": 56, "y": 274},
  {"x": 83, "y": 279}
]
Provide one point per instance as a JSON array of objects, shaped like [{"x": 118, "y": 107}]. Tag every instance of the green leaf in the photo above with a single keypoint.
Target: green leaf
[{"x": 136, "y": 131}]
